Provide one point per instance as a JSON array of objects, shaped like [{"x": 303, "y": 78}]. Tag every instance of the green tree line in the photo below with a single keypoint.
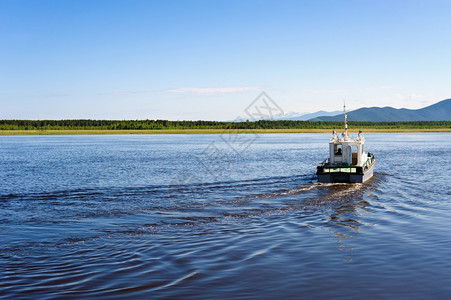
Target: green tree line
[{"x": 165, "y": 124}]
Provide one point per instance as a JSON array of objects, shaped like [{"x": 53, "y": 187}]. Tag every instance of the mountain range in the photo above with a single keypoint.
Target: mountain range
[
  {"x": 440, "y": 111},
  {"x": 305, "y": 117}
]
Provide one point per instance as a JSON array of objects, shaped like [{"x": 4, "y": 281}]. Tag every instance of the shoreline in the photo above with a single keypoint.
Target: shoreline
[{"x": 205, "y": 131}]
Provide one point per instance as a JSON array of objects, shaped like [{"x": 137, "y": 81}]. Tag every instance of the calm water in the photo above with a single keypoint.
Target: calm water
[{"x": 210, "y": 216}]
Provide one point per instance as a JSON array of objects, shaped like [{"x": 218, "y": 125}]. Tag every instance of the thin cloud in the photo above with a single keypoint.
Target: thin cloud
[
  {"x": 209, "y": 91},
  {"x": 56, "y": 95},
  {"x": 122, "y": 93},
  {"x": 399, "y": 100},
  {"x": 327, "y": 91},
  {"x": 350, "y": 90}
]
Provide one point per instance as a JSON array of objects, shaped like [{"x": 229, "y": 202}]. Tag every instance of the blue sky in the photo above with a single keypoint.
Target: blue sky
[{"x": 210, "y": 59}]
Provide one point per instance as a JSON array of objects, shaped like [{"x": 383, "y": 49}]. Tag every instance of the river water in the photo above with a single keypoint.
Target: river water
[{"x": 222, "y": 216}]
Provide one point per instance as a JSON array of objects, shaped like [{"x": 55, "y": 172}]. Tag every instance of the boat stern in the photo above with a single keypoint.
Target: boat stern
[{"x": 345, "y": 174}]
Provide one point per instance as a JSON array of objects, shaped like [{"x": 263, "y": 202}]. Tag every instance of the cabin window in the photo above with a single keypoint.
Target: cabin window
[{"x": 338, "y": 149}]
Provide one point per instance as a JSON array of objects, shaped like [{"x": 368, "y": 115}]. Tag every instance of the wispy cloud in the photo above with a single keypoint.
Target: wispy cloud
[
  {"x": 217, "y": 90},
  {"x": 56, "y": 95},
  {"x": 350, "y": 90},
  {"x": 121, "y": 93},
  {"x": 326, "y": 91},
  {"x": 400, "y": 100}
]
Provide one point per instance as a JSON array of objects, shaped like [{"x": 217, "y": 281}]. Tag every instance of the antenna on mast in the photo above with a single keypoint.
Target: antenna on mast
[{"x": 346, "y": 119}]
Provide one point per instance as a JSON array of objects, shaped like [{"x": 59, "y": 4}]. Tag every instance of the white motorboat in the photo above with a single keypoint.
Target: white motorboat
[{"x": 347, "y": 161}]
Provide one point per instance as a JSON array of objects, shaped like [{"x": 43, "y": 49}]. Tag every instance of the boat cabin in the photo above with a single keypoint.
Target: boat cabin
[{"x": 347, "y": 151}]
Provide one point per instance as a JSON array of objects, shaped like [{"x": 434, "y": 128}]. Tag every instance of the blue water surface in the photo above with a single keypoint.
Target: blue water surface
[{"x": 222, "y": 216}]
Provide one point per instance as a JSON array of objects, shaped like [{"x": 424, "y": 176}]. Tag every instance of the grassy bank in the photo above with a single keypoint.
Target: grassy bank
[{"x": 205, "y": 131}]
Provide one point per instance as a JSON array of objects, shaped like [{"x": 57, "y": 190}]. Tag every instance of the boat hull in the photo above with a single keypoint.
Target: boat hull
[{"x": 343, "y": 176}]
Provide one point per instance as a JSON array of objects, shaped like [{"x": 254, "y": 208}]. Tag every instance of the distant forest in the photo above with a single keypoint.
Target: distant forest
[{"x": 165, "y": 124}]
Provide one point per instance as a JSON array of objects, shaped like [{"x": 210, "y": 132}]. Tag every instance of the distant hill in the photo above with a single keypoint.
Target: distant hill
[
  {"x": 440, "y": 111},
  {"x": 305, "y": 117}
]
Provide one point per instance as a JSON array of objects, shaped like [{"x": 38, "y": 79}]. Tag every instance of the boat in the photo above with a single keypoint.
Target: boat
[{"x": 347, "y": 161}]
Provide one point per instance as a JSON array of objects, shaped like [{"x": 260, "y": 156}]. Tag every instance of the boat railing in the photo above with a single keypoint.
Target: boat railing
[
  {"x": 324, "y": 167},
  {"x": 369, "y": 161},
  {"x": 322, "y": 164}
]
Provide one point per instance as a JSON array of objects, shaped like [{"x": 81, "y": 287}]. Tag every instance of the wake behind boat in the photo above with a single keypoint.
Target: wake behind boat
[{"x": 347, "y": 161}]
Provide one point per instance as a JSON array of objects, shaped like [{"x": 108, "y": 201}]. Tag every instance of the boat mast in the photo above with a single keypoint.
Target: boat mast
[{"x": 346, "y": 119}]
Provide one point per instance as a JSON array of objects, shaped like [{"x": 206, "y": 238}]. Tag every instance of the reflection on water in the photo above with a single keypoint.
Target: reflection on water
[
  {"x": 345, "y": 218},
  {"x": 347, "y": 203}
]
